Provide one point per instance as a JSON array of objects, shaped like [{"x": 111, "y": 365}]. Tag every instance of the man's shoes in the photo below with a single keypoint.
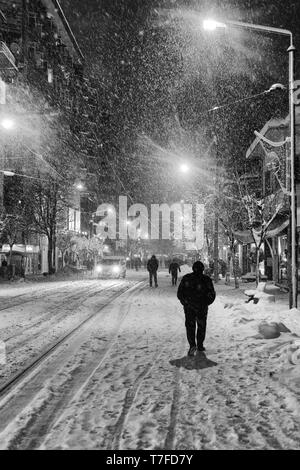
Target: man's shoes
[
  {"x": 192, "y": 351},
  {"x": 200, "y": 348}
]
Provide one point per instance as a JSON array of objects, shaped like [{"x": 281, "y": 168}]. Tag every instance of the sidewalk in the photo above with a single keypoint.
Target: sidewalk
[{"x": 281, "y": 297}]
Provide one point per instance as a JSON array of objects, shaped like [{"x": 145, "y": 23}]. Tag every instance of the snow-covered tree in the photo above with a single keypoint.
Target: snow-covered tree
[
  {"x": 64, "y": 242},
  {"x": 15, "y": 218},
  {"x": 259, "y": 211}
]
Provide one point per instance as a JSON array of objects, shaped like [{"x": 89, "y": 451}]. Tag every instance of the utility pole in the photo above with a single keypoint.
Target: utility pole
[
  {"x": 2, "y": 102},
  {"x": 216, "y": 215},
  {"x": 216, "y": 248},
  {"x": 293, "y": 202}
]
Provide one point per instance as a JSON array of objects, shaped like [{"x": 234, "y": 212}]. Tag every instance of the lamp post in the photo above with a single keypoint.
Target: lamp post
[{"x": 211, "y": 25}]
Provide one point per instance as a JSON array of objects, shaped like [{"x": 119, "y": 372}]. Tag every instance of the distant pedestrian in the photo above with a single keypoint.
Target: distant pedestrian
[
  {"x": 4, "y": 269},
  {"x": 173, "y": 270},
  {"x": 137, "y": 263},
  {"x": 23, "y": 267},
  {"x": 152, "y": 267},
  {"x": 90, "y": 265},
  {"x": 196, "y": 292}
]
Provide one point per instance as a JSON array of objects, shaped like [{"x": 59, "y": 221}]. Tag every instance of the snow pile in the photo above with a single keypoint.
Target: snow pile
[
  {"x": 291, "y": 353},
  {"x": 260, "y": 294},
  {"x": 266, "y": 320}
]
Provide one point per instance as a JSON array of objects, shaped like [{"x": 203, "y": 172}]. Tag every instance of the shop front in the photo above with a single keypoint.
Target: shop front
[{"x": 25, "y": 259}]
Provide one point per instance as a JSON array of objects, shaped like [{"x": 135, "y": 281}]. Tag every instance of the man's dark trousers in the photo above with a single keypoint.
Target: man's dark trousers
[
  {"x": 154, "y": 276},
  {"x": 195, "y": 317},
  {"x": 174, "y": 278}
]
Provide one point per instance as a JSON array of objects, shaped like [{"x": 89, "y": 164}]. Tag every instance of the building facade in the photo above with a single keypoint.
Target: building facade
[{"x": 38, "y": 52}]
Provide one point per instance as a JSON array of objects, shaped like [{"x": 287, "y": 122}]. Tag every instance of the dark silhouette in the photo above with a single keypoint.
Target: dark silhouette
[
  {"x": 173, "y": 270},
  {"x": 198, "y": 362},
  {"x": 152, "y": 267},
  {"x": 137, "y": 263},
  {"x": 196, "y": 292},
  {"x": 4, "y": 268}
]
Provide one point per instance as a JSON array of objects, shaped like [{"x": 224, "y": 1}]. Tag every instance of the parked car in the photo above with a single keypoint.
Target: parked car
[{"x": 111, "y": 267}]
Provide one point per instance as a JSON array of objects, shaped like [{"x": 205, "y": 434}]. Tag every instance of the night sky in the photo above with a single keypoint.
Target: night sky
[{"x": 160, "y": 74}]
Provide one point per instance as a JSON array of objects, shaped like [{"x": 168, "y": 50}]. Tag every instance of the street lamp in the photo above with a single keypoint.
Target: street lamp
[
  {"x": 79, "y": 186},
  {"x": 8, "y": 172},
  {"x": 7, "y": 123},
  {"x": 184, "y": 168},
  {"x": 211, "y": 25}
]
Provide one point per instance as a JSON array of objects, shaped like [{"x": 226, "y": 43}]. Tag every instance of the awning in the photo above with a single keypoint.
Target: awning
[
  {"x": 278, "y": 227},
  {"x": 276, "y": 231},
  {"x": 244, "y": 236},
  {"x": 20, "y": 249}
]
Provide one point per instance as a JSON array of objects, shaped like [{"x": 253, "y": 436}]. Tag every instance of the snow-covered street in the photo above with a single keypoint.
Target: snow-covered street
[{"x": 124, "y": 381}]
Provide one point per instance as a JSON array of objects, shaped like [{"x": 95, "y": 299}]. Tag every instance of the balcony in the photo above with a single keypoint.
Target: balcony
[{"x": 7, "y": 59}]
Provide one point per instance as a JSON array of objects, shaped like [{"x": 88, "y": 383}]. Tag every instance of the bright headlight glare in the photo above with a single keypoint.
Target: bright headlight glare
[
  {"x": 116, "y": 269},
  {"x": 212, "y": 25},
  {"x": 99, "y": 269}
]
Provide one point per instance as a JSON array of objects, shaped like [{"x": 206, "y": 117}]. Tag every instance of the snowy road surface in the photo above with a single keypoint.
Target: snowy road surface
[{"x": 124, "y": 381}]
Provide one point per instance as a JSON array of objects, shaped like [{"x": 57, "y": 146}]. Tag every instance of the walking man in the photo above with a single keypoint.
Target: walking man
[
  {"x": 152, "y": 267},
  {"x": 196, "y": 292},
  {"x": 173, "y": 270}
]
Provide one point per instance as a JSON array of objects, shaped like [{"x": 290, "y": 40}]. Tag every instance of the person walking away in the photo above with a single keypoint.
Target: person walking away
[
  {"x": 23, "y": 267},
  {"x": 4, "y": 265},
  {"x": 173, "y": 270},
  {"x": 152, "y": 267},
  {"x": 196, "y": 292}
]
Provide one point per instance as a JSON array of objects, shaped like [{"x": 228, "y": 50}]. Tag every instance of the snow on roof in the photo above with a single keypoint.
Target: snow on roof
[{"x": 273, "y": 124}]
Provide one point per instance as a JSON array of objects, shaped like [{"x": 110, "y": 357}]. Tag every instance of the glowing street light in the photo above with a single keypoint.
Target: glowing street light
[
  {"x": 7, "y": 123},
  {"x": 184, "y": 168},
  {"x": 8, "y": 172},
  {"x": 212, "y": 25}
]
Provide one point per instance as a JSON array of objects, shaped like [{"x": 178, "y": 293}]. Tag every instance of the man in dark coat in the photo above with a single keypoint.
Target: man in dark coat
[
  {"x": 196, "y": 292},
  {"x": 173, "y": 270},
  {"x": 152, "y": 267}
]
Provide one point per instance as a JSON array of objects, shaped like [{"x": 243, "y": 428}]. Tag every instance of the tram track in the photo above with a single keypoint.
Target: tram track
[
  {"x": 26, "y": 388},
  {"x": 18, "y": 377},
  {"x": 71, "y": 301},
  {"x": 53, "y": 416},
  {"x": 36, "y": 297}
]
